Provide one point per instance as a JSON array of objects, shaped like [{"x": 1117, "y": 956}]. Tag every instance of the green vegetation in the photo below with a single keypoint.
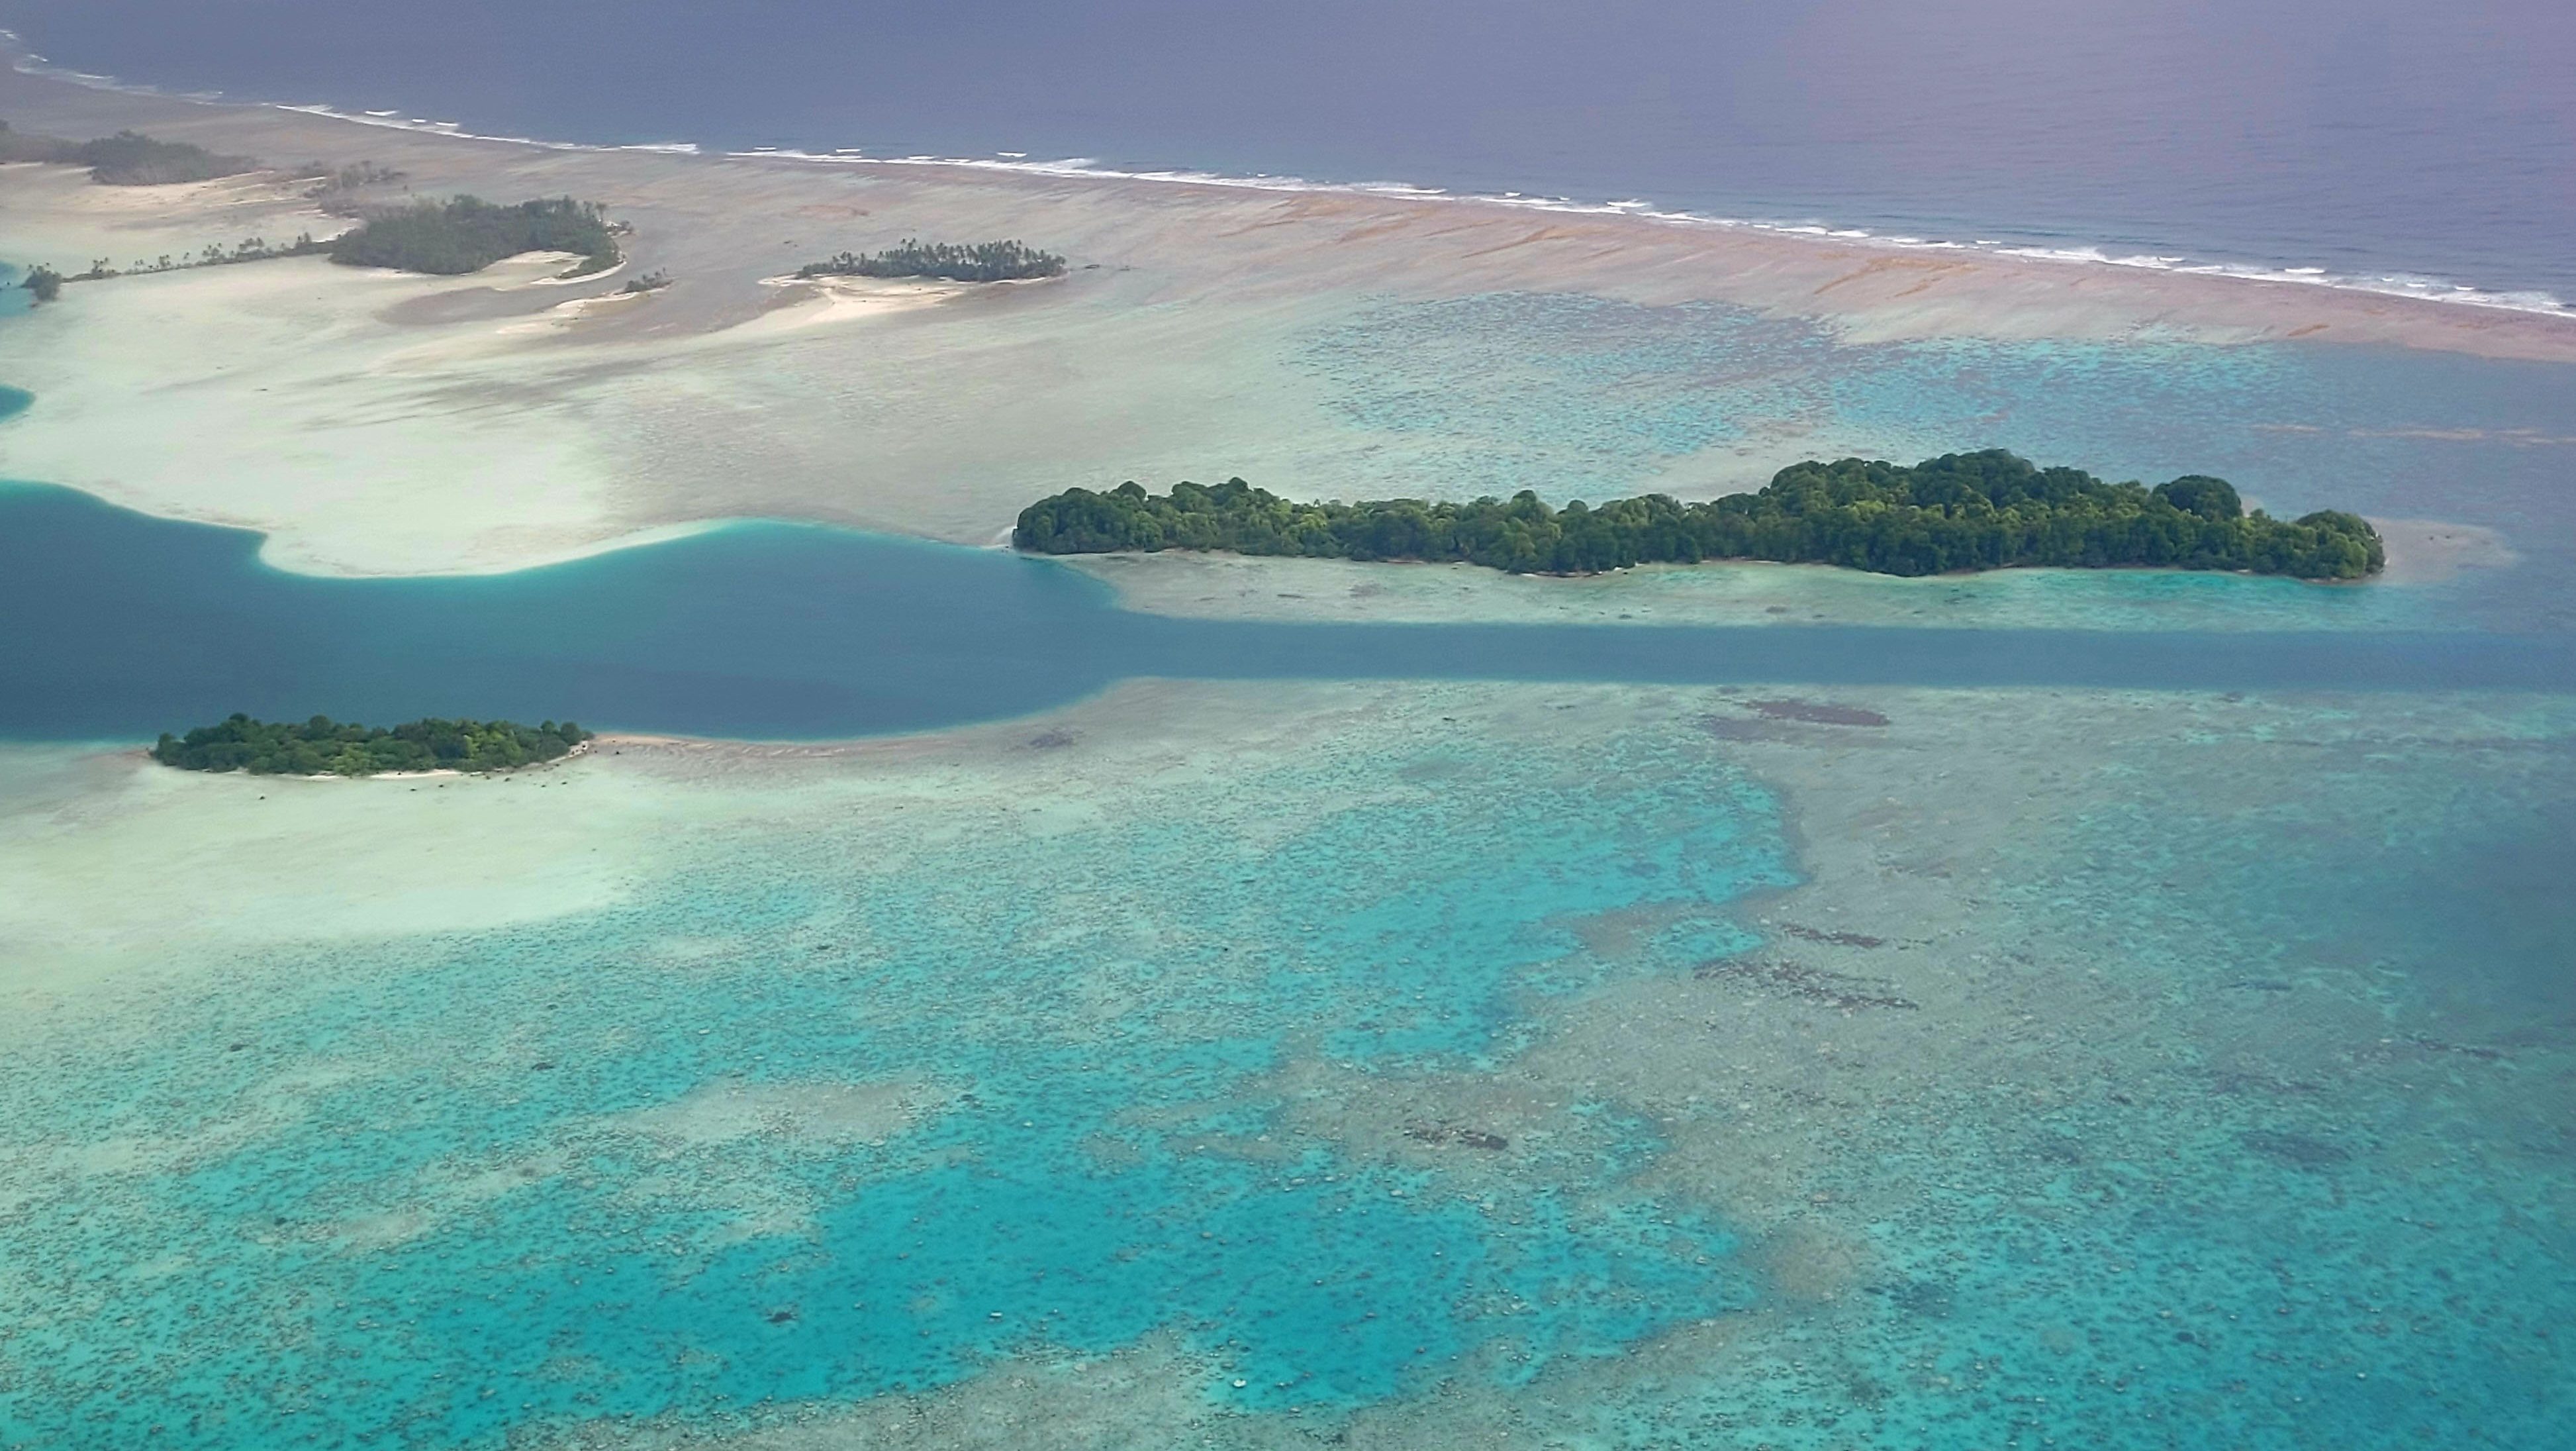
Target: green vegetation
[
  {"x": 340, "y": 192},
  {"x": 983, "y": 262},
  {"x": 468, "y": 234},
  {"x": 328, "y": 179},
  {"x": 25, "y": 146},
  {"x": 650, "y": 282},
  {"x": 213, "y": 254},
  {"x": 128, "y": 158},
  {"x": 323, "y": 747},
  {"x": 1989, "y": 510},
  {"x": 47, "y": 283}
]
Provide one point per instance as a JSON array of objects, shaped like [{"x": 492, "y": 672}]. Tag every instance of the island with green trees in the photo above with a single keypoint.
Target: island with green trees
[
  {"x": 213, "y": 254},
  {"x": 324, "y": 747},
  {"x": 336, "y": 187},
  {"x": 946, "y": 261},
  {"x": 467, "y": 234},
  {"x": 1958, "y": 512},
  {"x": 44, "y": 284},
  {"x": 128, "y": 158}
]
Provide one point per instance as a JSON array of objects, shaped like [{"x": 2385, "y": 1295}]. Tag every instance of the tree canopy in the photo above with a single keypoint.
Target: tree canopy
[
  {"x": 468, "y": 234},
  {"x": 324, "y": 747},
  {"x": 1971, "y": 511},
  {"x": 128, "y": 158},
  {"x": 982, "y": 262}
]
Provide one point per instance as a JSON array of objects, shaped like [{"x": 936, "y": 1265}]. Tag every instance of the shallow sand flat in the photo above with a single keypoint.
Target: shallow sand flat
[
  {"x": 112, "y": 866},
  {"x": 1227, "y": 586},
  {"x": 266, "y": 395},
  {"x": 55, "y": 215},
  {"x": 379, "y": 425}
]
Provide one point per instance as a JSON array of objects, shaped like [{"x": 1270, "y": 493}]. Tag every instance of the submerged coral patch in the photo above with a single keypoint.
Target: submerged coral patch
[{"x": 825, "y": 1117}]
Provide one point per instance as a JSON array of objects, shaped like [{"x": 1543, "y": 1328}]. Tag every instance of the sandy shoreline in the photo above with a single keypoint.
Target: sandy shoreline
[
  {"x": 377, "y": 424},
  {"x": 1737, "y": 593}
]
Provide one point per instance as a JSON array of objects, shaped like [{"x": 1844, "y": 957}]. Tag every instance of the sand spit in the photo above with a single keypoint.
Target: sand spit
[
  {"x": 805, "y": 301},
  {"x": 378, "y": 424},
  {"x": 103, "y": 852}
]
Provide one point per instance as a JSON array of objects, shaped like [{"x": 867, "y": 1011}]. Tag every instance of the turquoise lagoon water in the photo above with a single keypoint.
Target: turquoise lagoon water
[
  {"x": 1071, "y": 1009},
  {"x": 2253, "y": 1132}
]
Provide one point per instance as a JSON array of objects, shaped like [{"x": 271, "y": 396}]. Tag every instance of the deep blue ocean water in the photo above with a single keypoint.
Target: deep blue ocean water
[{"x": 2368, "y": 138}]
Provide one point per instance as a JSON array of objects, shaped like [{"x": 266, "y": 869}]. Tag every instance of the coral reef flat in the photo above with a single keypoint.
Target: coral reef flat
[
  {"x": 1321, "y": 344},
  {"x": 1401, "y": 1064}
]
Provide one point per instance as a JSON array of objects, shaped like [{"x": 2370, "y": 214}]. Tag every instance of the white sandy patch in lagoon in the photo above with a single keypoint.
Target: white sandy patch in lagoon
[
  {"x": 271, "y": 395},
  {"x": 56, "y": 216},
  {"x": 109, "y": 862},
  {"x": 808, "y": 301}
]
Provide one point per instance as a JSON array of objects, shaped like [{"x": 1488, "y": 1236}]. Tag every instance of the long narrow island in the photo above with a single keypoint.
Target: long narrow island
[
  {"x": 1959, "y": 512},
  {"x": 467, "y": 234},
  {"x": 1003, "y": 261},
  {"x": 322, "y": 746}
]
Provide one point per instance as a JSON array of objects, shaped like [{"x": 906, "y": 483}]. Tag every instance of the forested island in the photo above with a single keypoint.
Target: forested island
[
  {"x": 43, "y": 283},
  {"x": 1971, "y": 511},
  {"x": 128, "y": 158},
  {"x": 324, "y": 747},
  {"x": 467, "y": 234},
  {"x": 982, "y": 262}
]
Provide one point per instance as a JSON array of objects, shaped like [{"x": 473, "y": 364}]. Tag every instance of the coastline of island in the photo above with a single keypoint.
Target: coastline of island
[
  {"x": 1956, "y": 514},
  {"x": 322, "y": 748}
]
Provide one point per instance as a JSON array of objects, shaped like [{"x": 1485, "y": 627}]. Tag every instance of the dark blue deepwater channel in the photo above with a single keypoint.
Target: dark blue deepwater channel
[{"x": 122, "y": 625}]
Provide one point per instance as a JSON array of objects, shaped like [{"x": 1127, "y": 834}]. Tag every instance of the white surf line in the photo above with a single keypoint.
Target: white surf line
[{"x": 2417, "y": 288}]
